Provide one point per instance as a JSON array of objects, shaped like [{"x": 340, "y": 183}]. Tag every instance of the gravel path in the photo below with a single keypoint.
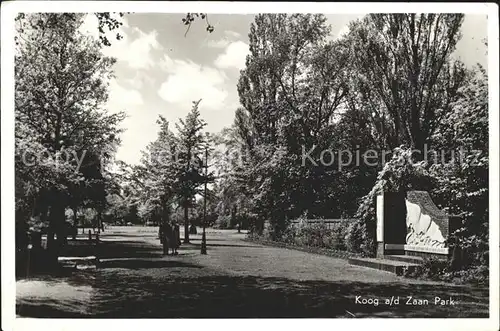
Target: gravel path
[{"x": 235, "y": 279}]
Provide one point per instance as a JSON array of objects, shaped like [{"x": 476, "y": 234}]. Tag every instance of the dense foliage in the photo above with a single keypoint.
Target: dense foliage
[
  {"x": 172, "y": 171},
  {"x": 323, "y": 126},
  {"x": 312, "y": 107}
]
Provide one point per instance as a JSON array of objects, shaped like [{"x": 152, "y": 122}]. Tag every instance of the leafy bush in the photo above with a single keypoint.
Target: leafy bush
[
  {"x": 255, "y": 225},
  {"x": 338, "y": 235},
  {"x": 311, "y": 234},
  {"x": 476, "y": 274},
  {"x": 441, "y": 270},
  {"x": 329, "y": 239},
  {"x": 244, "y": 220},
  {"x": 222, "y": 222},
  {"x": 462, "y": 187},
  {"x": 269, "y": 232},
  {"x": 289, "y": 236},
  {"x": 431, "y": 268},
  {"x": 355, "y": 237},
  {"x": 314, "y": 235},
  {"x": 434, "y": 268}
]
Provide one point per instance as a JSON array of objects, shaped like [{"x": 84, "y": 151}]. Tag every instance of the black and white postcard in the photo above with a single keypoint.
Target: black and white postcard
[{"x": 310, "y": 165}]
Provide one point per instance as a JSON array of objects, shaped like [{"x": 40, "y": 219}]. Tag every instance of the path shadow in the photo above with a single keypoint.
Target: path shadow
[
  {"x": 122, "y": 295},
  {"x": 225, "y": 245},
  {"x": 129, "y": 235},
  {"x": 127, "y": 249},
  {"x": 190, "y": 247},
  {"x": 174, "y": 288},
  {"x": 257, "y": 297},
  {"x": 145, "y": 264}
]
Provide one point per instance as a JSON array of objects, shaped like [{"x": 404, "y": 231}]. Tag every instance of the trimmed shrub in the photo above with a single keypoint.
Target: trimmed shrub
[
  {"x": 339, "y": 236},
  {"x": 316, "y": 235}
]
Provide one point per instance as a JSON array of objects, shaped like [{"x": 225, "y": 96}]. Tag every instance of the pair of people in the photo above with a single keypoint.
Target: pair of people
[{"x": 169, "y": 237}]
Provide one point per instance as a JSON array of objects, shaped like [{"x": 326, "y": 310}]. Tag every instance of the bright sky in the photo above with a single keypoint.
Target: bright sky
[{"x": 160, "y": 71}]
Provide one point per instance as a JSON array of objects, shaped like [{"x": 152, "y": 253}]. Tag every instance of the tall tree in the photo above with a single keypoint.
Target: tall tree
[
  {"x": 60, "y": 90},
  {"x": 159, "y": 173},
  {"x": 403, "y": 73},
  {"x": 190, "y": 156},
  {"x": 292, "y": 90}
]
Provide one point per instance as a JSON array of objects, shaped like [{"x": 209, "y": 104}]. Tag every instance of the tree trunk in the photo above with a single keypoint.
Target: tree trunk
[
  {"x": 186, "y": 208},
  {"x": 99, "y": 217},
  {"x": 186, "y": 223},
  {"x": 232, "y": 222},
  {"x": 51, "y": 247},
  {"x": 164, "y": 220},
  {"x": 56, "y": 227},
  {"x": 75, "y": 222},
  {"x": 238, "y": 219},
  {"x": 61, "y": 229},
  {"x": 164, "y": 238}
]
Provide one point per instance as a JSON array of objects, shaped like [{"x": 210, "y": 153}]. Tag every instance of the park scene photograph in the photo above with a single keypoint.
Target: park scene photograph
[{"x": 264, "y": 165}]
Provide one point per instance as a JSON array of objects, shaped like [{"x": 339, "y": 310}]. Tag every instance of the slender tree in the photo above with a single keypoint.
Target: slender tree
[{"x": 190, "y": 157}]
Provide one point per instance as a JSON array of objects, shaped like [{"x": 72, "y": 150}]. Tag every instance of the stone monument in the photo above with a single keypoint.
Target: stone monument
[{"x": 411, "y": 225}]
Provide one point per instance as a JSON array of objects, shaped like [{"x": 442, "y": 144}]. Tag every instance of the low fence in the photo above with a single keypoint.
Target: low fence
[{"x": 329, "y": 223}]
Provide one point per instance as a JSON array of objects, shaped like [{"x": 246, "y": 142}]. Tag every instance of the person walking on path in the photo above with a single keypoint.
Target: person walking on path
[
  {"x": 160, "y": 232},
  {"x": 165, "y": 233},
  {"x": 174, "y": 238},
  {"x": 169, "y": 238},
  {"x": 178, "y": 234}
]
